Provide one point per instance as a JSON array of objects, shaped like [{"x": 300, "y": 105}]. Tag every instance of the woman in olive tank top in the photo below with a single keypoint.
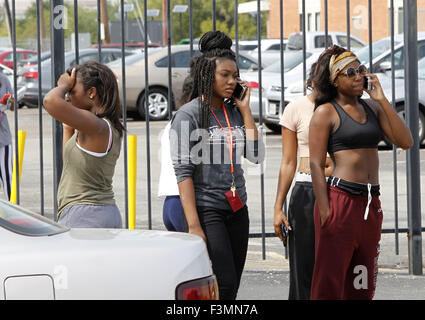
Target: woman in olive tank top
[{"x": 86, "y": 102}]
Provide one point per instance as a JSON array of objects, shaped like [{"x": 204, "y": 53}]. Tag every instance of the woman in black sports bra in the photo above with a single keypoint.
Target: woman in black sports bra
[{"x": 348, "y": 214}]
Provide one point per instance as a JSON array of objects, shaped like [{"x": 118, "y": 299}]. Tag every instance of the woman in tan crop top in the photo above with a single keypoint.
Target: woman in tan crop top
[
  {"x": 300, "y": 222},
  {"x": 348, "y": 214},
  {"x": 92, "y": 134}
]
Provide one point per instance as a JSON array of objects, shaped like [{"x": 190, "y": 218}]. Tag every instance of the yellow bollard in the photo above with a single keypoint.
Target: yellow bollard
[
  {"x": 21, "y": 146},
  {"x": 132, "y": 178}
]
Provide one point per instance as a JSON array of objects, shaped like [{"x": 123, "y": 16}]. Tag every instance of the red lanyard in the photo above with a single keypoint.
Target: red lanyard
[{"x": 229, "y": 141}]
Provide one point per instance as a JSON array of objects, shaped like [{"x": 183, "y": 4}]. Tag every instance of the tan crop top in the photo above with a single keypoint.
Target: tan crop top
[{"x": 296, "y": 117}]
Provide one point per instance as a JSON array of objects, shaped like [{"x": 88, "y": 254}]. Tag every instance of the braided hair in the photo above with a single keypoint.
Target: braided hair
[
  {"x": 95, "y": 74},
  {"x": 213, "y": 45}
]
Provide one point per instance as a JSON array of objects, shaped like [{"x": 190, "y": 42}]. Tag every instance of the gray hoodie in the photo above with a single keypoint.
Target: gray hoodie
[{"x": 204, "y": 156}]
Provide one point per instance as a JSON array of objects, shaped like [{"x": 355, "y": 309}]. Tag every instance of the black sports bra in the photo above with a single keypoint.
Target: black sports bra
[{"x": 352, "y": 134}]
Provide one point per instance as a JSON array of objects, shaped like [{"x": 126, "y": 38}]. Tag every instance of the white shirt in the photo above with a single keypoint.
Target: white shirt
[{"x": 167, "y": 185}]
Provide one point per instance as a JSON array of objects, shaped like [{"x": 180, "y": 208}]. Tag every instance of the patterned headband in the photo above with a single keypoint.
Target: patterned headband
[{"x": 339, "y": 62}]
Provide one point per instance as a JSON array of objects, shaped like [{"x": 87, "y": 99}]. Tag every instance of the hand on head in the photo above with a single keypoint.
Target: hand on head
[{"x": 68, "y": 79}]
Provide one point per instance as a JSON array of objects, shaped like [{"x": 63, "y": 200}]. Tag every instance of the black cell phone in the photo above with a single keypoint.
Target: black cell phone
[
  {"x": 366, "y": 84},
  {"x": 284, "y": 230},
  {"x": 239, "y": 91}
]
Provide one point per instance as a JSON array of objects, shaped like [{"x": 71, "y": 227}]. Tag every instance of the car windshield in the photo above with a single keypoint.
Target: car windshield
[
  {"x": 290, "y": 60},
  {"x": 421, "y": 69},
  {"x": 21, "y": 221},
  {"x": 378, "y": 48}
]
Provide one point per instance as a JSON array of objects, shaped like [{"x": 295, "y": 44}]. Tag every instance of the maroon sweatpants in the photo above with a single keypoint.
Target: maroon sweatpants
[{"x": 347, "y": 247}]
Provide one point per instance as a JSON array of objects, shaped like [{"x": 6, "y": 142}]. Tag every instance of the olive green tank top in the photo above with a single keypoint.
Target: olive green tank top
[{"x": 87, "y": 179}]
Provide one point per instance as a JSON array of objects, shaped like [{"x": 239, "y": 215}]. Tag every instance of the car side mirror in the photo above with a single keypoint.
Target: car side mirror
[
  {"x": 385, "y": 66},
  {"x": 254, "y": 67}
]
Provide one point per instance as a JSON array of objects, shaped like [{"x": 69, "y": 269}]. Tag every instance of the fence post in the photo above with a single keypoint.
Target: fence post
[
  {"x": 17, "y": 166},
  {"x": 132, "y": 180},
  {"x": 412, "y": 157},
  {"x": 57, "y": 25}
]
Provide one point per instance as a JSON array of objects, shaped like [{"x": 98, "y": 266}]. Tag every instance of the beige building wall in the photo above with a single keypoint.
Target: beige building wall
[
  {"x": 337, "y": 17},
  {"x": 291, "y": 18}
]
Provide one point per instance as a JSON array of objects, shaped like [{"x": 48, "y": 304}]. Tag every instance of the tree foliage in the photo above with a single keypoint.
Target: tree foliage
[
  {"x": 201, "y": 13},
  {"x": 203, "y": 21}
]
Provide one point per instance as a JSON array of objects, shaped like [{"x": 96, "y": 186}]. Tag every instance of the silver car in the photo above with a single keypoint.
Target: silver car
[
  {"x": 271, "y": 81},
  {"x": 28, "y": 76},
  {"x": 400, "y": 98},
  {"x": 381, "y": 63},
  {"x": 158, "y": 78},
  {"x": 42, "y": 260}
]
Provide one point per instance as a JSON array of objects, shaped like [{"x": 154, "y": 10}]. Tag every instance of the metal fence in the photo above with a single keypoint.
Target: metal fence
[{"x": 57, "y": 12}]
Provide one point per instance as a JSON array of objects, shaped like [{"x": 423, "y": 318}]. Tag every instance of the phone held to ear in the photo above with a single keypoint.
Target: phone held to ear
[
  {"x": 366, "y": 84},
  {"x": 240, "y": 91}
]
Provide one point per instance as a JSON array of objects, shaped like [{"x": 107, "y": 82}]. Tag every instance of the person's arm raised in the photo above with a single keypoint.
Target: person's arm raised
[
  {"x": 82, "y": 120},
  {"x": 393, "y": 127}
]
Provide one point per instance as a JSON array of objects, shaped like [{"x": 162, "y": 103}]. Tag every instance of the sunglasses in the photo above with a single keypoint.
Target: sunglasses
[{"x": 351, "y": 72}]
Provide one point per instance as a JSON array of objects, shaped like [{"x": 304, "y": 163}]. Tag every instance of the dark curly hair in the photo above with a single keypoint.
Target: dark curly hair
[
  {"x": 325, "y": 90},
  {"x": 213, "y": 45},
  {"x": 95, "y": 74},
  {"x": 309, "y": 82}
]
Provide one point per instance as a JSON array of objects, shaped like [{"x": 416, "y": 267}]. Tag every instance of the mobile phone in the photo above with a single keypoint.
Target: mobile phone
[
  {"x": 284, "y": 230},
  {"x": 240, "y": 91},
  {"x": 366, "y": 84}
]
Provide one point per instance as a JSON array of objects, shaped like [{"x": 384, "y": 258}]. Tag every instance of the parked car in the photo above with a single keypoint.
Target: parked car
[
  {"x": 400, "y": 98},
  {"x": 246, "y": 45},
  {"x": 158, "y": 78},
  {"x": 33, "y": 61},
  {"x": 44, "y": 260},
  {"x": 6, "y": 56},
  {"x": 251, "y": 46},
  {"x": 271, "y": 80},
  {"x": 128, "y": 46},
  {"x": 382, "y": 63},
  {"x": 28, "y": 77},
  {"x": 316, "y": 40}
]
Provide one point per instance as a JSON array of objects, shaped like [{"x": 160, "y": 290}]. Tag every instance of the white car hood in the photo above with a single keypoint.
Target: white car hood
[{"x": 107, "y": 263}]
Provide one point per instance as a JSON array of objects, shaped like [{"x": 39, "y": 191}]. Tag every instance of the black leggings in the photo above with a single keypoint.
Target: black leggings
[
  {"x": 227, "y": 241},
  {"x": 301, "y": 240}
]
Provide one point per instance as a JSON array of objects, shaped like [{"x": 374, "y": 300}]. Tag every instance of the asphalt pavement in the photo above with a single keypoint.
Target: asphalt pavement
[{"x": 263, "y": 279}]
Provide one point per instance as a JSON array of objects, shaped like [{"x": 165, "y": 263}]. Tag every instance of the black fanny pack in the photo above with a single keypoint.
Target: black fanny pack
[{"x": 353, "y": 187}]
